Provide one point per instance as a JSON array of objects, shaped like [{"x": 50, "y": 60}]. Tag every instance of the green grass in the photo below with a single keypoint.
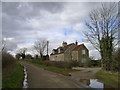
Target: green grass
[
  {"x": 95, "y": 67},
  {"x": 15, "y": 79},
  {"x": 64, "y": 71},
  {"x": 108, "y": 78}
]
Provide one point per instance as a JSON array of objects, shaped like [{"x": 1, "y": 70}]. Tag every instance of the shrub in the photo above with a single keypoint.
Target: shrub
[
  {"x": 74, "y": 63},
  {"x": 93, "y": 63},
  {"x": 8, "y": 64},
  {"x": 38, "y": 61},
  {"x": 115, "y": 66},
  {"x": 81, "y": 64},
  {"x": 62, "y": 64},
  {"x": 7, "y": 60},
  {"x": 96, "y": 63},
  {"x": 89, "y": 63},
  {"x": 59, "y": 64},
  {"x": 47, "y": 63},
  {"x": 28, "y": 56},
  {"x": 18, "y": 56}
]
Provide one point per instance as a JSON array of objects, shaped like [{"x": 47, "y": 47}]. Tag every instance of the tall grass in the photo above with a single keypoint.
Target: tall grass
[
  {"x": 12, "y": 72},
  {"x": 7, "y": 60},
  {"x": 108, "y": 78},
  {"x": 8, "y": 64},
  {"x": 15, "y": 79}
]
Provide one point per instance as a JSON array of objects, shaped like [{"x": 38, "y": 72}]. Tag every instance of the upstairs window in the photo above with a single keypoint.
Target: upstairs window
[
  {"x": 83, "y": 52},
  {"x": 59, "y": 50},
  {"x": 53, "y": 52}
]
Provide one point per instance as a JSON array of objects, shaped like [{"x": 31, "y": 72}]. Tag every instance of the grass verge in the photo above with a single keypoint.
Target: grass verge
[
  {"x": 63, "y": 71},
  {"x": 108, "y": 78},
  {"x": 15, "y": 79}
]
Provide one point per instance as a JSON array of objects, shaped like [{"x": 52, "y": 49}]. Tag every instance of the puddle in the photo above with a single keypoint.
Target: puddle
[
  {"x": 94, "y": 83},
  {"x": 25, "y": 83}
]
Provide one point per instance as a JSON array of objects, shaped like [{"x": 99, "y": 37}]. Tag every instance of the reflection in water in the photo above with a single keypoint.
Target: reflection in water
[
  {"x": 94, "y": 83},
  {"x": 25, "y": 83}
]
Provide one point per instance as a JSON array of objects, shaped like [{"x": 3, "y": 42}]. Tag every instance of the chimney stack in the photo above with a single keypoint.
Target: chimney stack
[
  {"x": 76, "y": 42},
  {"x": 64, "y": 44}
]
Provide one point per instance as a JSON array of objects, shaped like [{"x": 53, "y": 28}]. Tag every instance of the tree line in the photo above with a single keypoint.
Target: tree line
[{"x": 40, "y": 46}]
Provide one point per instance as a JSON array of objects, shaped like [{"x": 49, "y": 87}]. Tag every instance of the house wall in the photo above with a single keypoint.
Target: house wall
[
  {"x": 81, "y": 56},
  {"x": 71, "y": 55},
  {"x": 68, "y": 53},
  {"x": 75, "y": 55},
  {"x": 57, "y": 57}
]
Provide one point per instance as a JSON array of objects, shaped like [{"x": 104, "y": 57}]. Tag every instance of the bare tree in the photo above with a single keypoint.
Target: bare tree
[
  {"x": 3, "y": 47},
  {"x": 102, "y": 30},
  {"x": 40, "y": 46},
  {"x": 22, "y": 52}
]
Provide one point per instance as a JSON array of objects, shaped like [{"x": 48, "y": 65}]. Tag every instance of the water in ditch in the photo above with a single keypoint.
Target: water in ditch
[
  {"x": 25, "y": 82},
  {"x": 95, "y": 83}
]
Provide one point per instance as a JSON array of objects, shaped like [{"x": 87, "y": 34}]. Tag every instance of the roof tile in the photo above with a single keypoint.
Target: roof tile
[{"x": 77, "y": 47}]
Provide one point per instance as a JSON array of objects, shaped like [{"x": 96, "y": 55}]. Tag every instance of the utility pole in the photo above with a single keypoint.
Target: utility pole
[
  {"x": 47, "y": 56},
  {"x": 47, "y": 47}
]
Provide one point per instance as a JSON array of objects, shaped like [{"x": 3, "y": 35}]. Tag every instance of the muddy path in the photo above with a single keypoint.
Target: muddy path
[{"x": 85, "y": 73}]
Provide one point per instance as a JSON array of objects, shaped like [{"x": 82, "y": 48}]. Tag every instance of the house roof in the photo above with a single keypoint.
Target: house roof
[
  {"x": 63, "y": 48},
  {"x": 77, "y": 47}
]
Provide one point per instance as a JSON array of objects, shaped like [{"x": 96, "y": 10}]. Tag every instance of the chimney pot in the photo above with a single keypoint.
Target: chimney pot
[
  {"x": 64, "y": 43},
  {"x": 76, "y": 42}
]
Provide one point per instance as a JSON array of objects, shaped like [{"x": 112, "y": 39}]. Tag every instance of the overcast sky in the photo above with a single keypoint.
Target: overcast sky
[{"x": 23, "y": 23}]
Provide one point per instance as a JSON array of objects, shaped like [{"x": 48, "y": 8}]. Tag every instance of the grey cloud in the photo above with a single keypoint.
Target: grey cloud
[
  {"x": 27, "y": 9},
  {"x": 53, "y": 7},
  {"x": 10, "y": 8},
  {"x": 11, "y": 45},
  {"x": 25, "y": 21},
  {"x": 15, "y": 14}
]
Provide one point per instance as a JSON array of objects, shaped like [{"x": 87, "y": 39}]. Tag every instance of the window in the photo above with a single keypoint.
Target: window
[
  {"x": 83, "y": 51},
  {"x": 53, "y": 52},
  {"x": 58, "y": 59},
  {"x": 83, "y": 60},
  {"x": 59, "y": 50},
  {"x": 53, "y": 59}
]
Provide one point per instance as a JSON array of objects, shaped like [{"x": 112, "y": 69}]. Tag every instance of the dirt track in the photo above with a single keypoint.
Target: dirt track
[
  {"x": 40, "y": 78},
  {"x": 85, "y": 73}
]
